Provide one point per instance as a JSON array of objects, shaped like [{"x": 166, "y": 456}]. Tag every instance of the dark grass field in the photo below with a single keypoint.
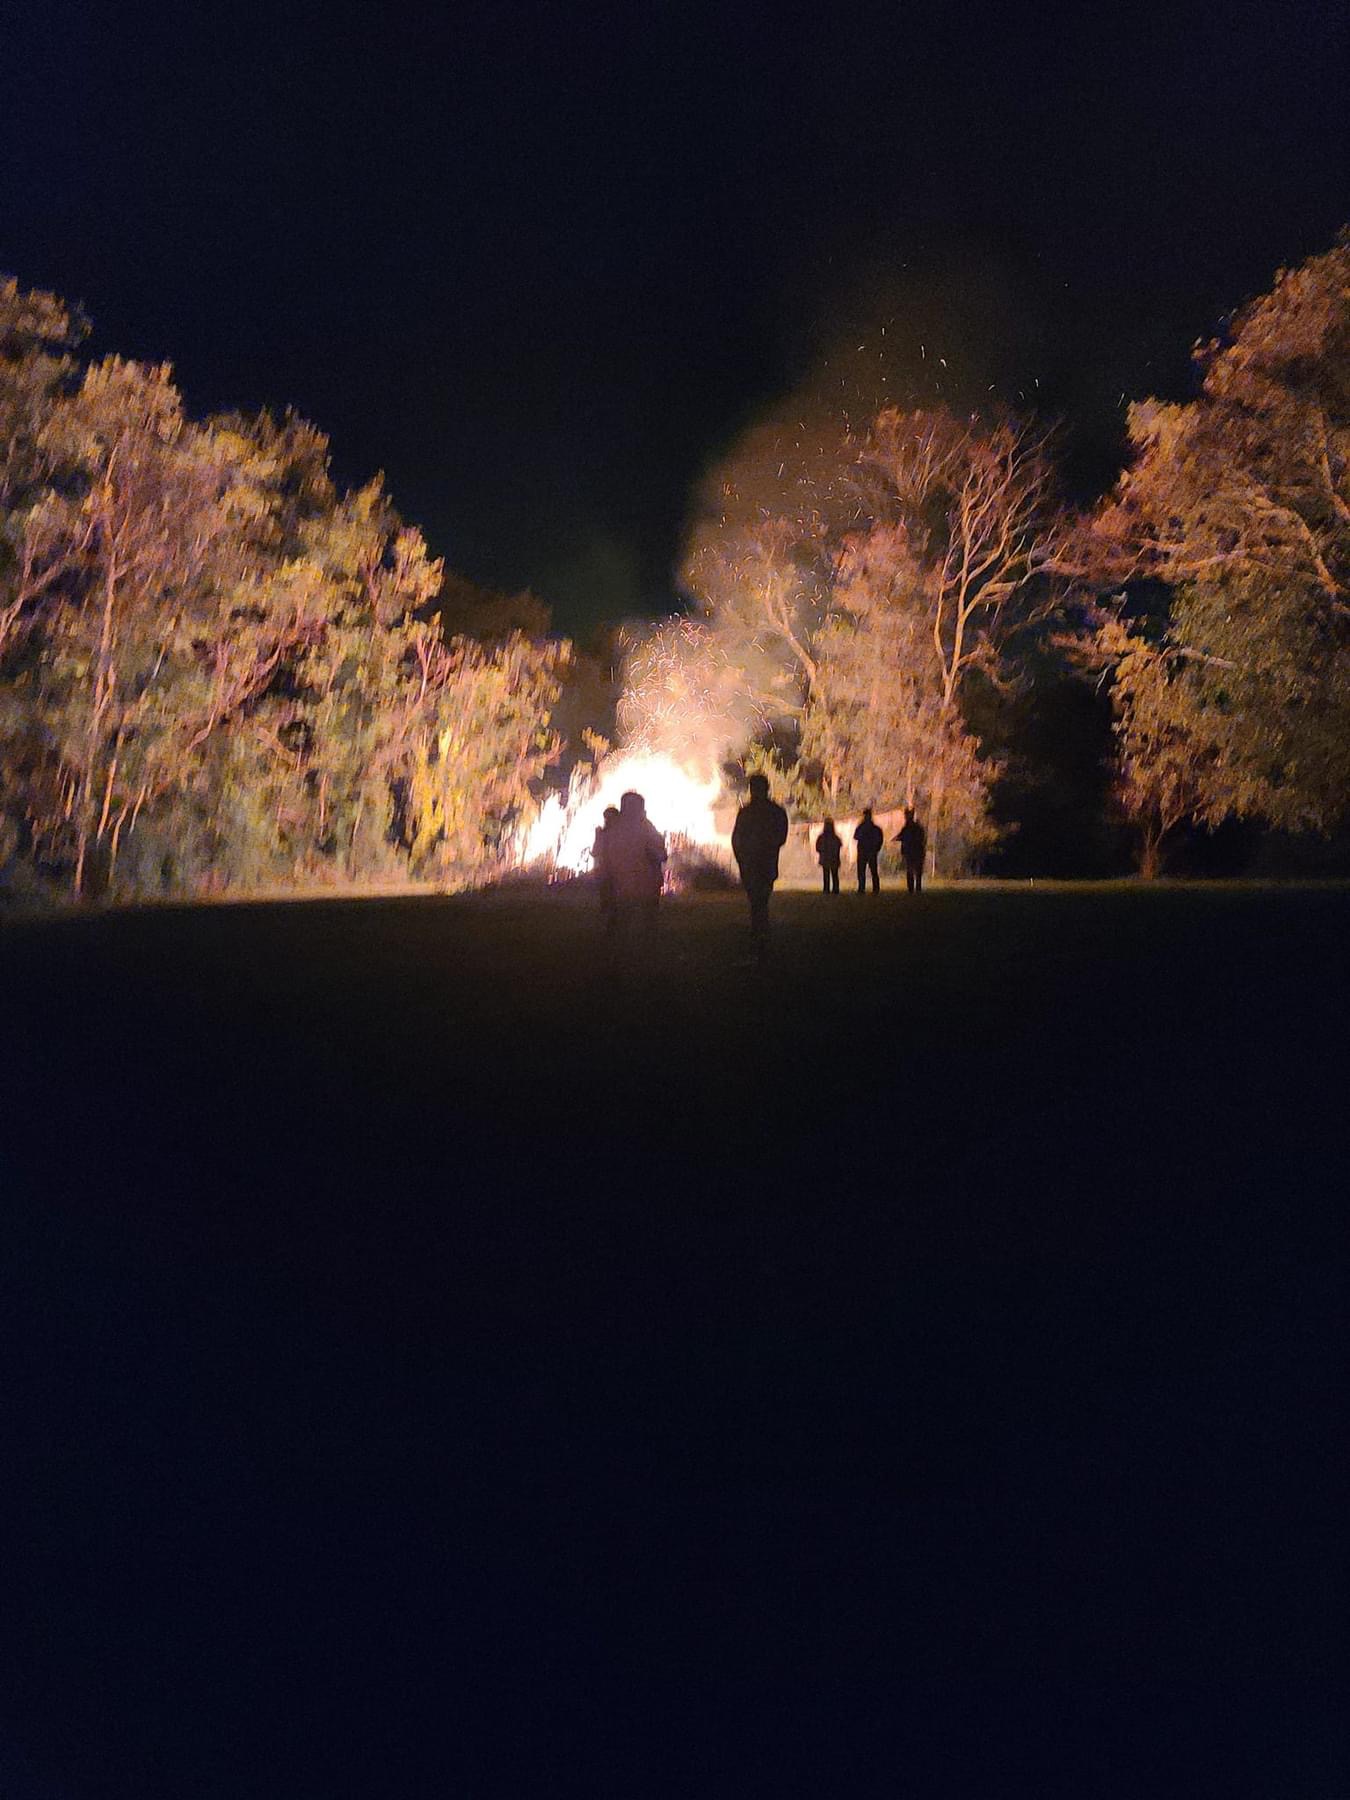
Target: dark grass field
[{"x": 443, "y": 1358}]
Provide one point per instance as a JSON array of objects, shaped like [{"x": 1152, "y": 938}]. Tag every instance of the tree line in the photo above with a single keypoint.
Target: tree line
[
  {"x": 216, "y": 669},
  {"x": 885, "y": 592},
  {"x": 219, "y": 670}
]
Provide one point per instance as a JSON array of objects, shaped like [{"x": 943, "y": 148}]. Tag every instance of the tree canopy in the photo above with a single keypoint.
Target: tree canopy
[
  {"x": 216, "y": 669},
  {"x": 1238, "y": 503},
  {"x": 889, "y": 576}
]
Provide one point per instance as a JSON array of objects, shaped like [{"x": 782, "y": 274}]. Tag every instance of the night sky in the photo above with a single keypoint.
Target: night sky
[{"x": 542, "y": 263}]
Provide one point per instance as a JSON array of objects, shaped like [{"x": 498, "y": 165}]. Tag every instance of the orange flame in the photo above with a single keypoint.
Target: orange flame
[{"x": 679, "y": 803}]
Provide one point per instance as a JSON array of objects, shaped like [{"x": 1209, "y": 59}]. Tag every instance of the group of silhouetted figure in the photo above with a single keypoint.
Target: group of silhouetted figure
[
  {"x": 869, "y": 837},
  {"x": 629, "y": 857}
]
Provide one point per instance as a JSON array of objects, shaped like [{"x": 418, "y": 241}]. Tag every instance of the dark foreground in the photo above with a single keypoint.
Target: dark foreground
[{"x": 435, "y": 1364}]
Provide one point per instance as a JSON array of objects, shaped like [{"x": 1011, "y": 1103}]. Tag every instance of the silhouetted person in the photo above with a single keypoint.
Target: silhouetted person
[
  {"x": 913, "y": 842},
  {"x": 635, "y": 856},
  {"x": 758, "y": 835},
  {"x": 869, "y": 839},
  {"x": 600, "y": 863},
  {"x": 829, "y": 849}
]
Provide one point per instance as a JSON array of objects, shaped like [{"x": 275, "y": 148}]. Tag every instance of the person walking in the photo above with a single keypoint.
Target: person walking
[
  {"x": 634, "y": 859},
  {"x": 829, "y": 849},
  {"x": 869, "y": 838},
  {"x": 758, "y": 835},
  {"x": 913, "y": 842}
]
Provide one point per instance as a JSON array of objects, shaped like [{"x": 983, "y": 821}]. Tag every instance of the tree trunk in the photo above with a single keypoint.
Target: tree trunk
[
  {"x": 935, "y": 799},
  {"x": 1150, "y": 854},
  {"x": 100, "y": 703}
]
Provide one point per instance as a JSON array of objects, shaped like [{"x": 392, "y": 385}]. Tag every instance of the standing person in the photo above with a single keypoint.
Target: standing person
[
  {"x": 600, "y": 863},
  {"x": 829, "y": 849},
  {"x": 913, "y": 842},
  {"x": 635, "y": 857},
  {"x": 758, "y": 835},
  {"x": 869, "y": 838}
]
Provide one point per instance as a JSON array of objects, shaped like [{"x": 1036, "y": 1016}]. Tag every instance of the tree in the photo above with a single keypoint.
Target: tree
[
  {"x": 878, "y": 728},
  {"x": 1239, "y": 501},
  {"x": 483, "y": 743},
  {"x": 972, "y": 506},
  {"x": 762, "y": 553},
  {"x": 217, "y": 669},
  {"x": 140, "y": 531},
  {"x": 1163, "y": 770},
  {"x": 378, "y": 746},
  {"x": 37, "y": 334},
  {"x": 888, "y": 580}
]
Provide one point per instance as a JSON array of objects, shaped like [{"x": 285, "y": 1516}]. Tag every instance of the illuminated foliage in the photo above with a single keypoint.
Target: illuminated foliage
[
  {"x": 891, "y": 573},
  {"x": 879, "y": 728},
  {"x": 1165, "y": 770},
  {"x": 215, "y": 669},
  {"x": 482, "y": 743},
  {"x": 1239, "y": 501},
  {"x": 37, "y": 333}
]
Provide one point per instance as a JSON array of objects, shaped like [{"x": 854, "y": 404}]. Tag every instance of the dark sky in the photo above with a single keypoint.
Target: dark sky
[{"x": 541, "y": 263}]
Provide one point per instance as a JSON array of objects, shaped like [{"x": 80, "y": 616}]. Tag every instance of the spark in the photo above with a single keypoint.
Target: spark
[{"x": 683, "y": 707}]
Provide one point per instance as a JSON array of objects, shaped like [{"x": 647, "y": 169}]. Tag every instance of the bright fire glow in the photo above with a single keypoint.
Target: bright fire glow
[{"x": 679, "y": 803}]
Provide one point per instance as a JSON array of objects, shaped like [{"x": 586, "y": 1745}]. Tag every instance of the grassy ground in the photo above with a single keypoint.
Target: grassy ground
[{"x": 446, "y": 1355}]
